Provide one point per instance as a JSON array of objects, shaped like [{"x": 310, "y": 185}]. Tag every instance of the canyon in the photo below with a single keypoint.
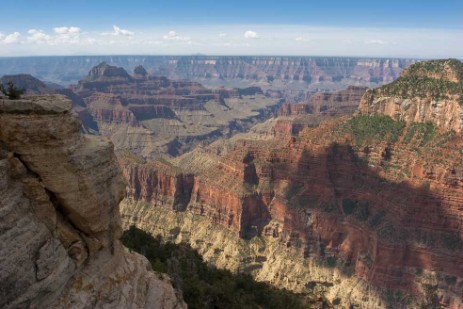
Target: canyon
[
  {"x": 154, "y": 116},
  {"x": 363, "y": 210},
  {"x": 350, "y": 195}
]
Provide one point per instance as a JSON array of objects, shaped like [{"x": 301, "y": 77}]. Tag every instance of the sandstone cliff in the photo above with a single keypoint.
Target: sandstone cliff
[
  {"x": 426, "y": 92},
  {"x": 60, "y": 222}
]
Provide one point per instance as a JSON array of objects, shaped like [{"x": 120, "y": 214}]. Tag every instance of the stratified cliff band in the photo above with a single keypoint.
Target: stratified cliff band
[{"x": 365, "y": 210}]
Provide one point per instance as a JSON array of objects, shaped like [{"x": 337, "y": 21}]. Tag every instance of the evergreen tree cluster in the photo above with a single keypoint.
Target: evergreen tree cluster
[
  {"x": 11, "y": 91},
  {"x": 204, "y": 286}
]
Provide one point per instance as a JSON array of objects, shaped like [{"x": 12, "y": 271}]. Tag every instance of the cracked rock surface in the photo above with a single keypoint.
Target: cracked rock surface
[{"x": 59, "y": 216}]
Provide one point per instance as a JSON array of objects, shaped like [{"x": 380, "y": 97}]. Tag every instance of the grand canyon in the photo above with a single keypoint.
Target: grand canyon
[{"x": 339, "y": 181}]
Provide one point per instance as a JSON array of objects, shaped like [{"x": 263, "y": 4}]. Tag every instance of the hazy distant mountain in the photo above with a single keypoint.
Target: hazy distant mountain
[{"x": 220, "y": 70}]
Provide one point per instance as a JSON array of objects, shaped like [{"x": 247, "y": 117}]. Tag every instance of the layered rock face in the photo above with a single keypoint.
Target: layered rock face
[
  {"x": 428, "y": 91},
  {"x": 219, "y": 68},
  {"x": 60, "y": 223},
  {"x": 387, "y": 224},
  {"x": 364, "y": 210},
  {"x": 155, "y": 116},
  {"x": 343, "y": 102}
]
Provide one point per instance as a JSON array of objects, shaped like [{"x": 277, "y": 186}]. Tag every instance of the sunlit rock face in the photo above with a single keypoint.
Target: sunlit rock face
[
  {"x": 60, "y": 222},
  {"x": 429, "y": 91}
]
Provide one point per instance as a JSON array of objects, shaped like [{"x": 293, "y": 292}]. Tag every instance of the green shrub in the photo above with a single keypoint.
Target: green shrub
[
  {"x": 349, "y": 206},
  {"x": 377, "y": 219},
  {"x": 11, "y": 91},
  {"x": 408, "y": 87},
  {"x": 425, "y": 132},
  {"x": 450, "y": 280},
  {"x": 376, "y": 127},
  {"x": 330, "y": 261},
  {"x": 204, "y": 286},
  {"x": 452, "y": 242}
]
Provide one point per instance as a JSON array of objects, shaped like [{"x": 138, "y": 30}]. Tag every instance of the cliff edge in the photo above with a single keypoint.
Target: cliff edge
[
  {"x": 60, "y": 223},
  {"x": 430, "y": 91}
]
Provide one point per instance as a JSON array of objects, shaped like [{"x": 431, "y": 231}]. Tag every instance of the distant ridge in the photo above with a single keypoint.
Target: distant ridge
[{"x": 69, "y": 69}]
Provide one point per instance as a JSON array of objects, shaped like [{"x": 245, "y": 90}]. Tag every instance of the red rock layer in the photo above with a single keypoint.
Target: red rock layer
[
  {"x": 337, "y": 103},
  {"x": 317, "y": 193}
]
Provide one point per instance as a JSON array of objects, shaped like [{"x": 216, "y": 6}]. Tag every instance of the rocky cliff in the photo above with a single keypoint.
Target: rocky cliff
[
  {"x": 426, "y": 92},
  {"x": 155, "y": 116},
  {"x": 365, "y": 210},
  {"x": 60, "y": 223},
  {"x": 34, "y": 86},
  {"x": 343, "y": 102}
]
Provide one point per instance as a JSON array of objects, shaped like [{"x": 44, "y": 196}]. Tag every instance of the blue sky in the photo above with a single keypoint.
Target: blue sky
[{"x": 406, "y": 28}]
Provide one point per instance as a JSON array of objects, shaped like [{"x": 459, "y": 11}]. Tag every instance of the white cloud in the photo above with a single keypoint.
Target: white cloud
[
  {"x": 279, "y": 40},
  {"x": 375, "y": 42},
  {"x": 12, "y": 38},
  {"x": 119, "y": 32},
  {"x": 173, "y": 36},
  {"x": 38, "y": 36},
  {"x": 62, "y": 36},
  {"x": 67, "y": 30},
  {"x": 250, "y": 35}
]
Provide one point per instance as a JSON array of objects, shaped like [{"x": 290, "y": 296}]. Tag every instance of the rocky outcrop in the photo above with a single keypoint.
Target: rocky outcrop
[
  {"x": 30, "y": 84},
  {"x": 104, "y": 73},
  {"x": 60, "y": 222},
  {"x": 34, "y": 86},
  {"x": 343, "y": 102},
  {"x": 140, "y": 73},
  {"x": 426, "y": 92}
]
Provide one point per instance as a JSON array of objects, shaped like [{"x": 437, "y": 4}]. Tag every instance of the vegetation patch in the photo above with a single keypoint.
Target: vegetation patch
[
  {"x": 436, "y": 66},
  {"x": 422, "y": 131},
  {"x": 349, "y": 206},
  {"x": 408, "y": 87},
  {"x": 330, "y": 261},
  {"x": 11, "y": 91},
  {"x": 204, "y": 286},
  {"x": 375, "y": 127},
  {"x": 450, "y": 280},
  {"x": 377, "y": 219},
  {"x": 452, "y": 242},
  {"x": 292, "y": 190}
]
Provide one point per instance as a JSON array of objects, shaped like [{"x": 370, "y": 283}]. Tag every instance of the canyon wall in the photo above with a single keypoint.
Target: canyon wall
[
  {"x": 426, "y": 92},
  {"x": 314, "y": 216},
  {"x": 60, "y": 222},
  {"x": 156, "y": 117},
  {"x": 68, "y": 70},
  {"x": 365, "y": 211},
  {"x": 343, "y": 102}
]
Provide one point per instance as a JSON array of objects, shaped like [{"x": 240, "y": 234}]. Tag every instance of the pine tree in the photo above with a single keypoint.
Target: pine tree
[{"x": 11, "y": 91}]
